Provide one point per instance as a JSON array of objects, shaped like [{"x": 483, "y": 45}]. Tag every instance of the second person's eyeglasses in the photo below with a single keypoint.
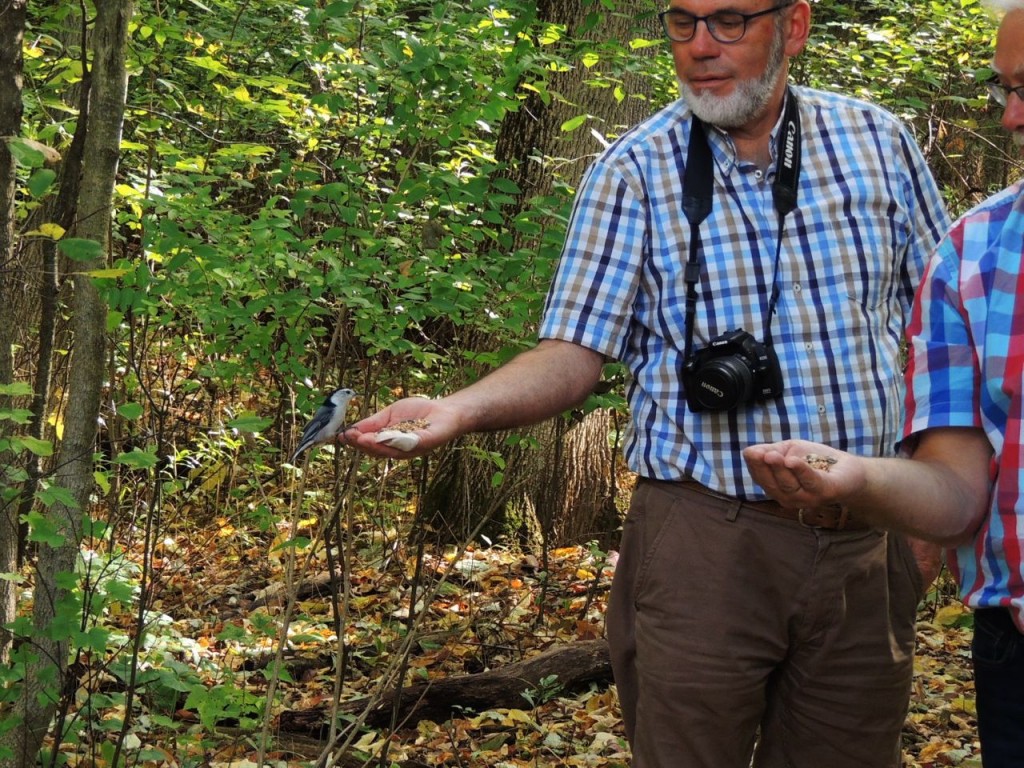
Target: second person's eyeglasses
[{"x": 1000, "y": 93}]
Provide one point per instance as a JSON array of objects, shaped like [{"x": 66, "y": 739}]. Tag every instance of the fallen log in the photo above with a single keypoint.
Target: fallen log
[{"x": 574, "y": 666}]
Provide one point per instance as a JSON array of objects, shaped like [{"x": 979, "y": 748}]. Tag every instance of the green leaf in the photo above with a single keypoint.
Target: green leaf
[
  {"x": 232, "y": 632},
  {"x": 80, "y": 249},
  {"x": 40, "y": 181},
  {"x": 297, "y": 542},
  {"x": 44, "y": 530},
  {"x": 571, "y": 125},
  {"x": 120, "y": 591},
  {"x": 95, "y": 639},
  {"x": 250, "y": 423},
  {"x": 17, "y": 415},
  {"x": 507, "y": 185},
  {"x": 137, "y": 459},
  {"x": 102, "y": 480},
  {"x": 35, "y": 445},
  {"x": 24, "y": 153},
  {"x": 15, "y": 389},
  {"x": 54, "y": 494},
  {"x": 130, "y": 411},
  {"x": 339, "y": 10}
]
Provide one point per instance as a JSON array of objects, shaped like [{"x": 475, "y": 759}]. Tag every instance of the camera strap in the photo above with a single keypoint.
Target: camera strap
[{"x": 698, "y": 190}]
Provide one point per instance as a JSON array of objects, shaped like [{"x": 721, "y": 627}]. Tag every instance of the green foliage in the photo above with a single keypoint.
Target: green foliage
[
  {"x": 546, "y": 689},
  {"x": 378, "y": 205},
  {"x": 921, "y": 60},
  {"x": 225, "y": 703}
]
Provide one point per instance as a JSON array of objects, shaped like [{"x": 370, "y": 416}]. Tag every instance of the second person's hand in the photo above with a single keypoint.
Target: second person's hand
[{"x": 800, "y": 473}]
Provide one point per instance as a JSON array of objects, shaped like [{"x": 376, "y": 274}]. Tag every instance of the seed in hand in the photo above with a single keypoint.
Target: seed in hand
[{"x": 822, "y": 463}]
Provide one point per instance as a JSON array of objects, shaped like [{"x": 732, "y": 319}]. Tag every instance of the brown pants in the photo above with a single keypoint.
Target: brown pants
[{"x": 727, "y": 624}]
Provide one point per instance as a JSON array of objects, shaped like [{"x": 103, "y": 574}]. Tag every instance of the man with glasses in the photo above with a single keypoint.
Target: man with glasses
[
  {"x": 749, "y": 253},
  {"x": 964, "y": 429}
]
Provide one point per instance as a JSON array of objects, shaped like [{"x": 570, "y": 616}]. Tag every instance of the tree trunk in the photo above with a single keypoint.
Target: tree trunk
[
  {"x": 48, "y": 668},
  {"x": 561, "y": 491},
  {"x": 11, "y": 31},
  {"x": 59, "y": 209}
]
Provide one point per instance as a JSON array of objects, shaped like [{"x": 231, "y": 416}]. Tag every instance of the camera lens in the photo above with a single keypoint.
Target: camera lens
[{"x": 723, "y": 383}]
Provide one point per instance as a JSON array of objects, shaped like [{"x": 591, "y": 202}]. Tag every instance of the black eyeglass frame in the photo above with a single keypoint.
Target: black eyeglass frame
[
  {"x": 712, "y": 19},
  {"x": 1000, "y": 93}
]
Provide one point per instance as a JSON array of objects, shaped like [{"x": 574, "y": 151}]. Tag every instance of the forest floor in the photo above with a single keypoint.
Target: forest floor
[{"x": 220, "y": 600}]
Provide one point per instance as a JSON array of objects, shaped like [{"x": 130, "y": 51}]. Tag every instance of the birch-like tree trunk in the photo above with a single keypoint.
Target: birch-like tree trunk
[
  {"x": 12, "y": 26},
  {"x": 46, "y": 673}
]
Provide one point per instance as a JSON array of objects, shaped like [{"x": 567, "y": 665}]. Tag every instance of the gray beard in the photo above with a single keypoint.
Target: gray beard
[{"x": 745, "y": 103}]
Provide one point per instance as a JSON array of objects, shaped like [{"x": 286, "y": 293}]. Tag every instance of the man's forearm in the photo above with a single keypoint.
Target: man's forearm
[
  {"x": 941, "y": 494},
  {"x": 923, "y": 498},
  {"x": 535, "y": 385}
]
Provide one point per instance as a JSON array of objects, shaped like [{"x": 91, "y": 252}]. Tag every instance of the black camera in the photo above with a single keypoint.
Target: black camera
[{"x": 732, "y": 370}]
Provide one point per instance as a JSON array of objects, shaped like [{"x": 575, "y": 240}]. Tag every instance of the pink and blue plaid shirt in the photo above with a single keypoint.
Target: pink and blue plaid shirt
[
  {"x": 967, "y": 370},
  {"x": 869, "y": 214}
]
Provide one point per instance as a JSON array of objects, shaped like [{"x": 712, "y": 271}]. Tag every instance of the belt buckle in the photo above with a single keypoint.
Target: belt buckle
[{"x": 800, "y": 518}]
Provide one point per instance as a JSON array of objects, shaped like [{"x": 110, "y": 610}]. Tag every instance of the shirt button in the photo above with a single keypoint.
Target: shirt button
[
  {"x": 758, "y": 174},
  {"x": 821, "y": 409},
  {"x": 797, "y": 287}
]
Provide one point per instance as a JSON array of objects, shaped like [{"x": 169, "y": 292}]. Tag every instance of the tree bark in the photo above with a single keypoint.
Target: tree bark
[
  {"x": 12, "y": 26},
  {"x": 48, "y": 668},
  {"x": 42, "y": 301}
]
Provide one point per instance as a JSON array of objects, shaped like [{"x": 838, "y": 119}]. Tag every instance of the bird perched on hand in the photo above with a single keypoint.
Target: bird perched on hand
[{"x": 326, "y": 423}]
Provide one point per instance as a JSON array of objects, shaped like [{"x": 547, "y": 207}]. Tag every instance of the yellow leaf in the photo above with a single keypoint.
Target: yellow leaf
[
  {"x": 950, "y": 614},
  {"x": 963, "y": 704},
  {"x": 49, "y": 229},
  {"x": 564, "y": 551},
  {"x": 518, "y": 716},
  {"x": 370, "y": 742}
]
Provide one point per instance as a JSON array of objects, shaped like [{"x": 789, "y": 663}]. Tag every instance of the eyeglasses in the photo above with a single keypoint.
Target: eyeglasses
[
  {"x": 1000, "y": 93},
  {"x": 724, "y": 26}
]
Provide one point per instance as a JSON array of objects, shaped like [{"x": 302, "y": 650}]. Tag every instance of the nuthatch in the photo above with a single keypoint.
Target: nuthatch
[{"x": 326, "y": 423}]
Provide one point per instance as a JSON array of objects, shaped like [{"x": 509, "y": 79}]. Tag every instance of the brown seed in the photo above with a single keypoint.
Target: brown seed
[
  {"x": 822, "y": 463},
  {"x": 409, "y": 425}
]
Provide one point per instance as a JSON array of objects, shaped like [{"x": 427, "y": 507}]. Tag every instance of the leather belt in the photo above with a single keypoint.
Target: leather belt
[{"x": 832, "y": 517}]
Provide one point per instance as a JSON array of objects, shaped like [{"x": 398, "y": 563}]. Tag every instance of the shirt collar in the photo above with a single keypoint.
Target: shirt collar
[{"x": 723, "y": 149}]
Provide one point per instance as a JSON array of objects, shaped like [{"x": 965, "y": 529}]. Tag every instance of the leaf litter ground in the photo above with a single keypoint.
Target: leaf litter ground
[{"x": 221, "y": 605}]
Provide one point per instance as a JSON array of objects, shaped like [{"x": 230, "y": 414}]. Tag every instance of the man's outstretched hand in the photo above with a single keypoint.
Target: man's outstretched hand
[{"x": 405, "y": 429}]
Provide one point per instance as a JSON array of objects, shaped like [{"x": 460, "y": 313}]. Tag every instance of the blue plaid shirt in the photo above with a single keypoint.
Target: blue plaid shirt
[
  {"x": 853, "y": 251},
  {"x": 966, "y": 369}
]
